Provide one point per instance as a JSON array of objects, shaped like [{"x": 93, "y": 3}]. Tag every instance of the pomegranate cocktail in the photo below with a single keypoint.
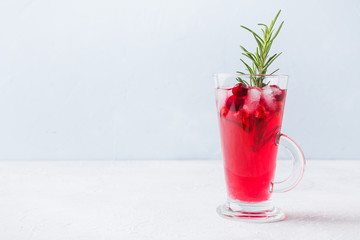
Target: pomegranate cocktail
[{"x": 250, "y": 117}]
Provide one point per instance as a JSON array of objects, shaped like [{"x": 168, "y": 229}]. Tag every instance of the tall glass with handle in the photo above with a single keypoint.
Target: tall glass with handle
[{"x": 250, "y": 121}]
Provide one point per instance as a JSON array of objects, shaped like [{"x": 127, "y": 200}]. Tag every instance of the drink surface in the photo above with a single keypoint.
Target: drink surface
[{"x": 249, "y": 120}]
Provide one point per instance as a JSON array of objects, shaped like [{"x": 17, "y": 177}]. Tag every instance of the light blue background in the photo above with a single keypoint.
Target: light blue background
[{"x": 133, "y": 79}]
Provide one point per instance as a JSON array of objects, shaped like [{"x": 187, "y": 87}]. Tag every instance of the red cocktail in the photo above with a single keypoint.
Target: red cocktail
[{"x": 250, "y": 121}]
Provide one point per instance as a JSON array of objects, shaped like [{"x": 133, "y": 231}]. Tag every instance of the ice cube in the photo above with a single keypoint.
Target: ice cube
[
  {"x": 269, "y": 97},
  {"x": 253, "y": 99},
  {"x": 276, "y": 90},
  {"x": 221, "y": 96}
]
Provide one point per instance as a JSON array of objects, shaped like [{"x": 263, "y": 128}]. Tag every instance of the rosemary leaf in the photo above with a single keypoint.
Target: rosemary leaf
[{"x": 260, "y": 59}]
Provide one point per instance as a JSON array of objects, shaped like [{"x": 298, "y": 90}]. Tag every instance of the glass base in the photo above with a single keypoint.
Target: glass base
[{"x": 259, "y": 212}]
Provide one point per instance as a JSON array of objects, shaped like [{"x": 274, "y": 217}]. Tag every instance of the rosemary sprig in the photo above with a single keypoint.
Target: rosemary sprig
[{"x": 260, "y": 60}]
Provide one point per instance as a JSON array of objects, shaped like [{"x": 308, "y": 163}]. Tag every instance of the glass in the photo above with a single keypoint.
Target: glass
[{"x": 250, "y": 121}]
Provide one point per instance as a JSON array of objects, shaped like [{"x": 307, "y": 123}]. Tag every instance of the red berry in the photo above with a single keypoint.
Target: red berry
[
  {"x": 279, "y": 93},
  {"x": 279, "y": 107},
  {"x": 234, "y": 103},
  {"x": 281, "y": 96},
  {"x": 224, "y": 111},
  {"x": 274, "y": 86},
  {"x": 239, "y": 90},
  {"x": 260, "y": 112},
  {"x": 244, "y": 120}
]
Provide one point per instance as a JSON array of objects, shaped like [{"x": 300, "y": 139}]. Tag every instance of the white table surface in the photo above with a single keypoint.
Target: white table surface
[{"x": 50, "y": 200}]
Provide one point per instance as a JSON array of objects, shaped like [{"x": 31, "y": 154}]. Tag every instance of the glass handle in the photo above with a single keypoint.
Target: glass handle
[{"x": 298, "y": 165}]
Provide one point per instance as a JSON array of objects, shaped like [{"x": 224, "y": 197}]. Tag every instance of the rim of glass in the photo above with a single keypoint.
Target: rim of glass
[{"x": 239, "y": 74}]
